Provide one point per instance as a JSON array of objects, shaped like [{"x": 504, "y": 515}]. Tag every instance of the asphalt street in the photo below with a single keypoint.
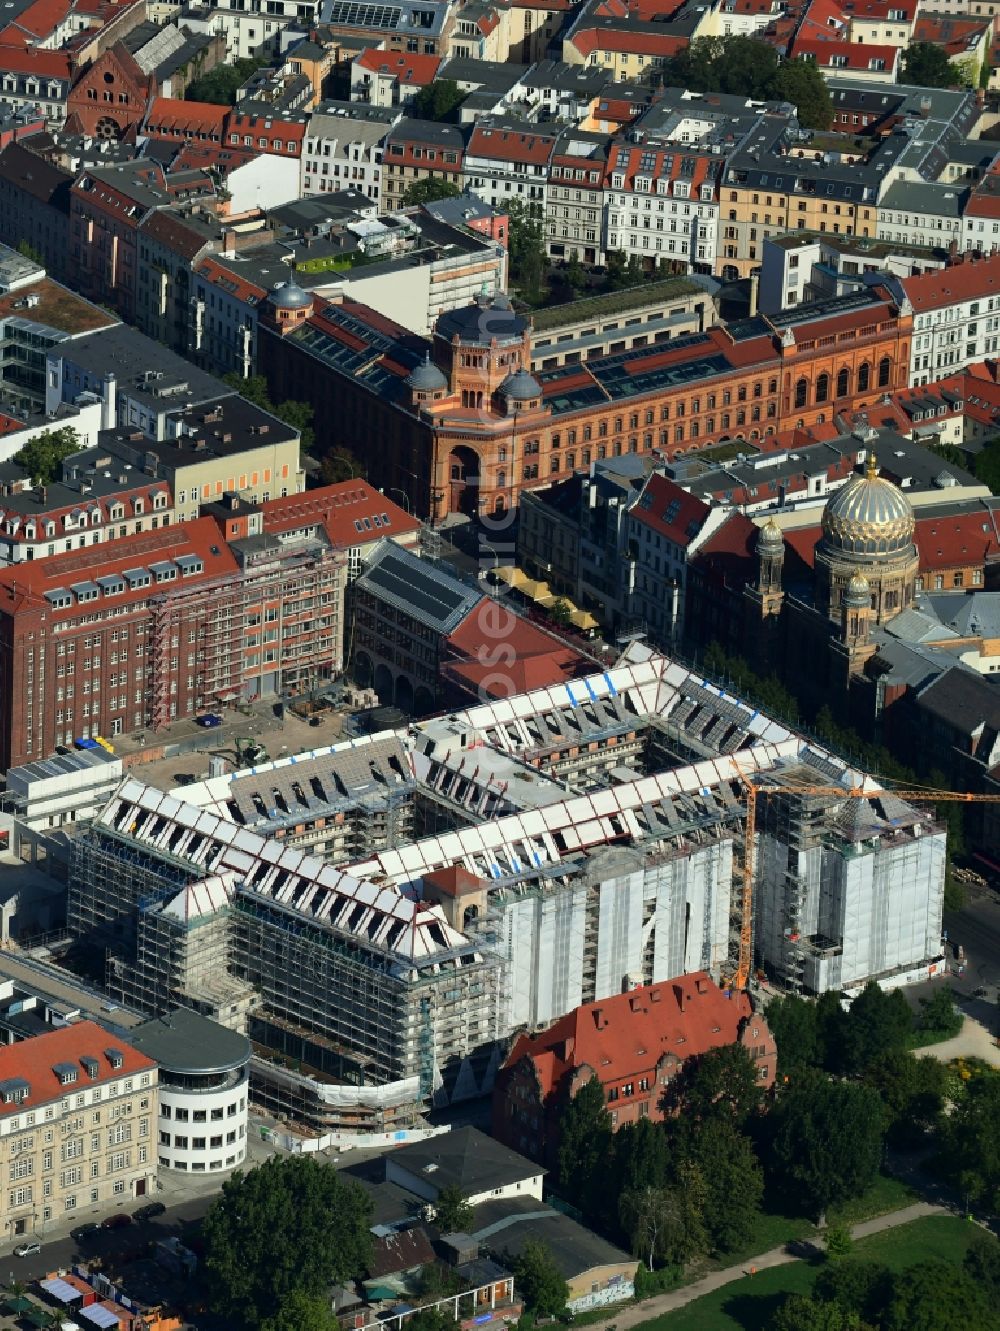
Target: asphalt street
[
  {"x": 977, "y": 928},
  {"x": 113, "y": 1246}
]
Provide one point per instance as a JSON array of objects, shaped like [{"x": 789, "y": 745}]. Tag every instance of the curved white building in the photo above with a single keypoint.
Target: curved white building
[{"x": 203, "y": 1066}]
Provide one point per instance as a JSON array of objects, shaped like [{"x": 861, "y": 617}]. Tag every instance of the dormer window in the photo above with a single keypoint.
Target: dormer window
[
  {"x": 115, "y": 1057},
  {"x": 66, "y": 1072},
  {"x": 90, "y": 1066}
]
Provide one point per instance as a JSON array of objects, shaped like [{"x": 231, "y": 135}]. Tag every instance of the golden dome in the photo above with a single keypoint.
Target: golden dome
[
  {"x": 868, "y": 517},
  {"x": 858, "y": 590},
  {"x": 769, "y": 537}
]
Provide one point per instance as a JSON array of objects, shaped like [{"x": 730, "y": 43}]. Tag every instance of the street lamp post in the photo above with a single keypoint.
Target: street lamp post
[{"x": 395, "y": 489}]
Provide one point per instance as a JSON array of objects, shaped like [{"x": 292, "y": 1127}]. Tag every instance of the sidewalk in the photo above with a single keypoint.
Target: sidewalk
[{"x": 638, "y": 1313}]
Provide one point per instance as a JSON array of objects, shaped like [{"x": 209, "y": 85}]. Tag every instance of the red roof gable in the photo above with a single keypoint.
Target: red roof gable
[
  {"x": 171, "y": 118},
  {"x": 34, "y": 1061},
  {"x": 951, "y": 542},
  {"x": 411, "y": 70},
  {"x": 949, "y": 286},
  {"x": 339, "y": 509},
  {"x": 46, "y": 64},
  {"x": 631, "y": 1033},
  {"x": 663, "y": 499},
  {"x": 511, "y": 145},
  {"x": 532, "y": 658}
]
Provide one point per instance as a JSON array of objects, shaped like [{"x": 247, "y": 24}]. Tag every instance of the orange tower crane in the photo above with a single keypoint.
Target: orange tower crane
[{"x": 755, "y": 789}]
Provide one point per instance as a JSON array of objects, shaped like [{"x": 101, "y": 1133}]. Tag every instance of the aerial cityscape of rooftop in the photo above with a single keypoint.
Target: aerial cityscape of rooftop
[{"x": 500, "y": 664}]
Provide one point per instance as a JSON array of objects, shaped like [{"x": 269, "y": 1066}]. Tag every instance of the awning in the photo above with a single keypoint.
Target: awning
[
  {"x": 533, "y": 588},
  {"x": 61, "y": 1290},
  {"x": 17, "y": 1304},
  {"x": 583, "y": 619},
  {"x": 39, "y": 1317},
  {"x": 100, "y": 1316},
  {"x": 513, "y": 577}
]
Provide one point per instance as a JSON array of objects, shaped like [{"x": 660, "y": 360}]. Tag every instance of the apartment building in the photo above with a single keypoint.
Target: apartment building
[
  {"x": 574, "y": 217},
  {"x": 662, "y": 205},
  {"x": 956, "y": 319},
  {"x": 420, "y": 150},
  {"x": 78, "y": 1109},
  {"x": 509, "y": 159},
  {"x": 343, "y": 149}
]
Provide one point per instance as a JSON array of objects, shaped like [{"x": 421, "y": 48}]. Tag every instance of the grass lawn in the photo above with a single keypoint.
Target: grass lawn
[
  {"x": 771, "y": 1231},
  {"x": 885, "y": 1194},
  {"x": 751, "y": 1303}
]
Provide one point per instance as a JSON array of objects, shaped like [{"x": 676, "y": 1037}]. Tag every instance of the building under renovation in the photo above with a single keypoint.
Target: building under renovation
[{"x": 529, "y": 855}]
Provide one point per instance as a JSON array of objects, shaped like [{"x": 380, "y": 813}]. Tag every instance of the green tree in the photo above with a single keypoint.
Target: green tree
[
  {"x": 292, "y": 1225},
  {"x": 222, "y": 84},
  {"x": 559, "y": 611},
  {"x": 430, "y": 1319},
  {"x": 793, "y": 1024},
  {"x": 913, "y": 1095},
  {"x": 452, "y": 1213},
  {"x": 526, "y": 248},
  {"x": 733, "y": 1182},
  {"x": 987, "y": 466},
  {"x": 936, "y": 1293},
  {"x": 878, "y": 1023},
  {"x": 429, "y": 190},
  {"x": 825, "y": 1142},
  {"x": 667, "y": 1224},
  {"x": 720, "y": 1083},
  {"x": 831, "y": 1030},
  {"x": 302, "y": 1312},
  {"x": 574, "y": 274},
  {"x": 584, "y": 1148},
  {"x": 971, "y": 1139},
  {"x": 42, "y": 457},
  {"x": 860, "y": 1288},
  {"x": 438, "y": 100},
  {"x": 28, "y": 251},
  {"x": 739, "y": 65},
  {"x": 799, "y": 1312},
  {"x": 982, "y": 1265},
  {"x": 938, "y": 1016},
  {"x": 802, "y": 83},
  {"x": 539, "y": 1280},
  {"x": 622, "y": 272},
  {"x": 926, "y": 65},
  {"x": 641, "y": 1156},
  {"x": 838, "y": 1242}
]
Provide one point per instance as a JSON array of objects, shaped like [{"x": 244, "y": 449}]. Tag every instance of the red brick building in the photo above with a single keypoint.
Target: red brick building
[
  {"x": 463, "y": 426},
  {"x": 151, "y": 628},
  {"x": 111, "y": 96},
  {"x": 634, "y": 1043}
]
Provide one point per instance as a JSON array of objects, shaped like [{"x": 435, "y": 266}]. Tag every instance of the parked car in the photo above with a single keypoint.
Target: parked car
[
  {"x": 209, "y": 720},
  {"x": 86, "y": 1231},
  {"x": 27, "y": 1249},
  {"x": 117, "y": 1221},
  {"x": 147, "y": 1212}
]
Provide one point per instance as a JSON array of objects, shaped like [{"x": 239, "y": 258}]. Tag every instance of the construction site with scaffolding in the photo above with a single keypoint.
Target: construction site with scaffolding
[{"x": 488, "y": 871}]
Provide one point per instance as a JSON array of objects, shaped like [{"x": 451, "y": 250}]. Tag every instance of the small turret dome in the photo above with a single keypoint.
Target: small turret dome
[
  {"x": 427, "y": 378},
  {"x": 858, "y": 591},
  {"x": 769, "y": 537},
  {"x": 520, "y": 387},
  {"x": 290, "y": 296}
]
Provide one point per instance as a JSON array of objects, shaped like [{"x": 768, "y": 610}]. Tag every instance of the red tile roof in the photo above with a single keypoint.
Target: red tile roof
[
  {"x": 411, "y": 70},
  {"x": 600, "y": 38},
  {"x": 729, "y": 554},
  {"x": 663, "y": 497},
  {"x": 453, "y": 881},
  {"x": 33, "y": 1061},
  {"x": 240, "y": 288},
  {"x": 339, "y": 508},
  {"x": 950, "y": 286},
  {"x": 27, "y": 582},
  {"x": 835, "y": 52},
  {"x": 169, "y": 117},
  {"x": 511, "y": 145},
  {"x": 46, "y": 64},
  {"x": 532, "y": 658},
  {"x": 954, "y": 542},
  {"x": 630, "y": 1033}
]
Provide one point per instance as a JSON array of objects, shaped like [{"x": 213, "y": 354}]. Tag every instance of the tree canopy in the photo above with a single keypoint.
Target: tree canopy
[
  {"x": 747, "y": 67},
  {"x": 539, "y": 1280},
  {"x": 291, "y": 1226},
  {"x": 302, "y": 1312},
  {"x": 825, "y": 1141},
  {"x": 452, "y": 1213},
  {"x": 429, "y": 190},
  {"x": 720, "y": 1083},
  {"x": 438, "y": 100},
  {"x": 43, "y": 455},
  {"x": 584, "y": 1148},
  {"x": 221, "y": 84},
  {"x": 926, "y": 65},
  {"x": 971, "y": 1139},
  {"x": 526, "y": 249}
]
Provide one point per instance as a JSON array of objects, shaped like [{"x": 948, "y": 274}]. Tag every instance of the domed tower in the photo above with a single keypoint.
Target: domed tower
[
  {"x": 770, "y": 562},
  {"x": 480, "y": 346},
  {"x": 287, "y": 306},
  {"x": 520, "y": 391},
  {"x": 426, "y": 383},
  {"x": 868, "y": 529}
]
